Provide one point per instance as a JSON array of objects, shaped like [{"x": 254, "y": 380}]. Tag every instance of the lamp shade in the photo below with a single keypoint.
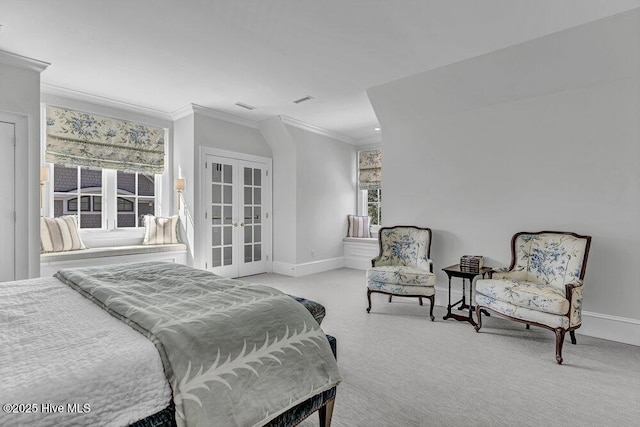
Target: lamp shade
[
  {"x": 44, "y": 174},
  {"x": 179, "y": 185}
]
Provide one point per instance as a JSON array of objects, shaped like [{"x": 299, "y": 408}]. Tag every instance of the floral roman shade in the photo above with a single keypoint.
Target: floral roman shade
[
  {"x": 81, "y": 139},
  {"x": 369, "y": 169}
]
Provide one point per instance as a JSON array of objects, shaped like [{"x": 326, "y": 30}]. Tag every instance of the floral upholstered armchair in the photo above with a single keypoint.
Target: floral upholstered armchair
[
  {"x": 543, "y": 286},
  {"x": 403, "y": 267}
]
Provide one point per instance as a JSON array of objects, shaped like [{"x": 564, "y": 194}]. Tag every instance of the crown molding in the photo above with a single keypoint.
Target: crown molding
[
  {"x": 213, "y": 113},
  {"x": 19, "y": 61},
  {"x": 315, "y": 129},
  {"x": 77, "y": 95}
]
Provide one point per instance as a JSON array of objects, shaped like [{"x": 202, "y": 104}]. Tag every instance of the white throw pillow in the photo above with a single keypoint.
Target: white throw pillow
[
  {"x": 60, "y": 234},
  {"x": 358, "y": 226},
  {"x": 160, "y": 230}
]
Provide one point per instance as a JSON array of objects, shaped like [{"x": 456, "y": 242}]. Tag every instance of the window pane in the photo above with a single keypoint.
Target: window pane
[
  {"x": 257, "y": 177},
  {"x": 146, "y": 184},
  {"x": 247, "y": 234},
  {"x": 216, "y": 239},
  {"x": 247, "y": 195},
  {"x": 97, "y": 204},
  {"x": 216, "y": 170},
  {"x": 90, "y": 220},
  {"x": 126, "y": 183},
  {"x": 256, "y": 215},
  {"x": 216, "y": 196},
  {"x": 228, "y": 178},
  {"x": 247, "y": 176},
  {"x": 247, "y": 253},
  {"x": 216, "y": 257},
  {"x": 257, "y": 196},
  {"x": 145, "y": 207},
  {"x": 247, "y": 215},
  {"x": 216, "y": 215},
  {"x": 257, "y": 252},
  {"x": 126, "y": 214},
  {"x": 65, "y": 179},
  {"x": 257, "y": 233},
  {"x": 228, "y": 256},
  {"x": 226, "y": 240},
  {"x": 91, "y": 180},
  {"x": 228, "y": 194}
]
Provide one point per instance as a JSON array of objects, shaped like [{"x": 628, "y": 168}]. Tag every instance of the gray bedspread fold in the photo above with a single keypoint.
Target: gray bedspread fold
[{"x": 235, "y": 353}]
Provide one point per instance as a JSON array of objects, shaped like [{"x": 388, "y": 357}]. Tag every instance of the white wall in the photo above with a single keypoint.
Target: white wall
[
  {"x": 213, "y": 132},
  {"x": 20, "y": 95},
  {"x": 541, "y": 135},
  {"x": 326, "y": 175}
]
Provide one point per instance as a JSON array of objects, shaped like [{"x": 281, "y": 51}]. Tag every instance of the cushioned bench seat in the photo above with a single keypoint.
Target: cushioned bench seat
[
  {"x": 51, "y": 262},
  {"x": 111, "y": 251}
]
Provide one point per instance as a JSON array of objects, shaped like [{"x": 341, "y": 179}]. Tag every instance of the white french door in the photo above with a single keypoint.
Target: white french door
[
  {"x": 7, "y": 201},
  {"x": 236, "y": 195}
]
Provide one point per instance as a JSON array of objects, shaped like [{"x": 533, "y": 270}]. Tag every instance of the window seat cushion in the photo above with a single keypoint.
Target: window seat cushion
[
  {"x": 111, "y": 251},
  {"x": 371, "y": 240}
]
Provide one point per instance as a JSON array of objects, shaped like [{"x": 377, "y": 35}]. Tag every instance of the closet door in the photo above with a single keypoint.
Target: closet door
[
  {"x": 234, "y": 217},
  {"x": 7, "y": 201}
]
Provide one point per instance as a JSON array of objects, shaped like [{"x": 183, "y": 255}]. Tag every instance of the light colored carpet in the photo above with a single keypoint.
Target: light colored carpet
[{"x": 401, "y": 369}]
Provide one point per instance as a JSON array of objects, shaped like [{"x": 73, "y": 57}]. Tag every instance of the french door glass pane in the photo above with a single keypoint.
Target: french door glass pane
[{"x": 222, "y": 214}]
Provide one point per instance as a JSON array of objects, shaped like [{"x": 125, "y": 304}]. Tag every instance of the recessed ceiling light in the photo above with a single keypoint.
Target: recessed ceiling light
[
  {"x": 306, "y": 98},
  {"x": 377, "y": 129},
  {"x": 247, "y": 106}
]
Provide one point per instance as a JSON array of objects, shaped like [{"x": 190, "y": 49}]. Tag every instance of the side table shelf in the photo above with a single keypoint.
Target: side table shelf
[{"x": 455, "y": 271}]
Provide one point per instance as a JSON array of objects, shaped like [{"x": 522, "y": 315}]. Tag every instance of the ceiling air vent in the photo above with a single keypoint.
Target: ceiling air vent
[
  {"x": 306, "y": 98},
  {"x": 247, "y": 106}
]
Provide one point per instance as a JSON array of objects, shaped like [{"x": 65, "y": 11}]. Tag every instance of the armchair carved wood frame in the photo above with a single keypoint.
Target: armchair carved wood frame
[
  {"x": 542, "y": 286},
  {"x": 403, "y": 266}
]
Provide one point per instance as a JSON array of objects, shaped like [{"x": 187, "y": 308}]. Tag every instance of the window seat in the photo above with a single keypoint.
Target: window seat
[
  {"x": 51, "y": 262},
  {"x": 359, "y": 251}
]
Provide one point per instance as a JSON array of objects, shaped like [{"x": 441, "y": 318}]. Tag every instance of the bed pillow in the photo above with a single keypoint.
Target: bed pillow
[
  {"x": 60, "y": 234},
  {"x": 358, "y": 226},
  {"x": 160, "y": 230}
]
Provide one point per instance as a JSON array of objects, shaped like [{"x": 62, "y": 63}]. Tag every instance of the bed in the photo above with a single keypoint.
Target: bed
[{"x": 155, "y": 344}]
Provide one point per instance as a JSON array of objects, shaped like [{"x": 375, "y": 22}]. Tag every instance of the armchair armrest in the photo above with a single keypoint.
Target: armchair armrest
[{"x": 574, "y": 295}]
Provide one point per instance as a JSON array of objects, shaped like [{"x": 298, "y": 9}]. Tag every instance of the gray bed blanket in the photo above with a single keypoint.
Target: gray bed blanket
[{"x": 235, "y": 353}]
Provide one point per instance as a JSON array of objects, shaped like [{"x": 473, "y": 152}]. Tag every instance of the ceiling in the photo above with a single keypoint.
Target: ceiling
[{"x": 164, "y": 55}]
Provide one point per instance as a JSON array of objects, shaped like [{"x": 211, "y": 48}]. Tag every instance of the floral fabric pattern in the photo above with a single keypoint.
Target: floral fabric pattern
[
  {"x": 404, "y": 246},
  {"x": 369, "y": 169},
  {"x": 81, "y": 139},
  {"x": 525, "y": 294},
  {"x": 548, "y": 319},
  {"x": 426, "y": 291},
  {"x": 535, "y": 289},
  {"x": 553, "y": 259},
  {"x": 407, "y": 276}
]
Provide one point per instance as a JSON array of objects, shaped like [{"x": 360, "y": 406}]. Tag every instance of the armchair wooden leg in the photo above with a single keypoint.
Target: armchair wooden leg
[
  {"x": 479, "y": 317},
  {"x": 325, "y": 413},
  {"x": 389, "y": 298},
  {"x": 432, "y": 298},
  {"x": 572, "y": 334},
  {"x": 420, "y": 299},
  {"x": 559, "y": 341},
  {"x": 528, "y": 326},
  {"x": 369, "y": 299}
]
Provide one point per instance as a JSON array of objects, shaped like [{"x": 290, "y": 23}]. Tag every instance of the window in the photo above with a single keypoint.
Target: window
[
  {"x": 374, "y": 206},
  {"x": 83, "y": 191},
  {"x": 136, "y": 198},
  {"x": 370, "y": 184},
  {"x": 74, "y": 183}
]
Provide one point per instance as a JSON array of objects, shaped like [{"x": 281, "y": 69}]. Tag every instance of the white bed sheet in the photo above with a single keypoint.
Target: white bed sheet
[{"x": 57, "y": 347}]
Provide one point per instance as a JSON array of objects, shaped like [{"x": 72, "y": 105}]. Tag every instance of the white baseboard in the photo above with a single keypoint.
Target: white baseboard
[
  {"x": 613, "y": 328},
  {"x": 296, "y": 270},
  {"x": 597, "y": 325}
]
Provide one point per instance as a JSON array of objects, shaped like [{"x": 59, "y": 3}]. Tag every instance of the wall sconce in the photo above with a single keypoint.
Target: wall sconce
[
  {"x": 44, "y": 178},
  {"x": 178, "y": 185}
]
